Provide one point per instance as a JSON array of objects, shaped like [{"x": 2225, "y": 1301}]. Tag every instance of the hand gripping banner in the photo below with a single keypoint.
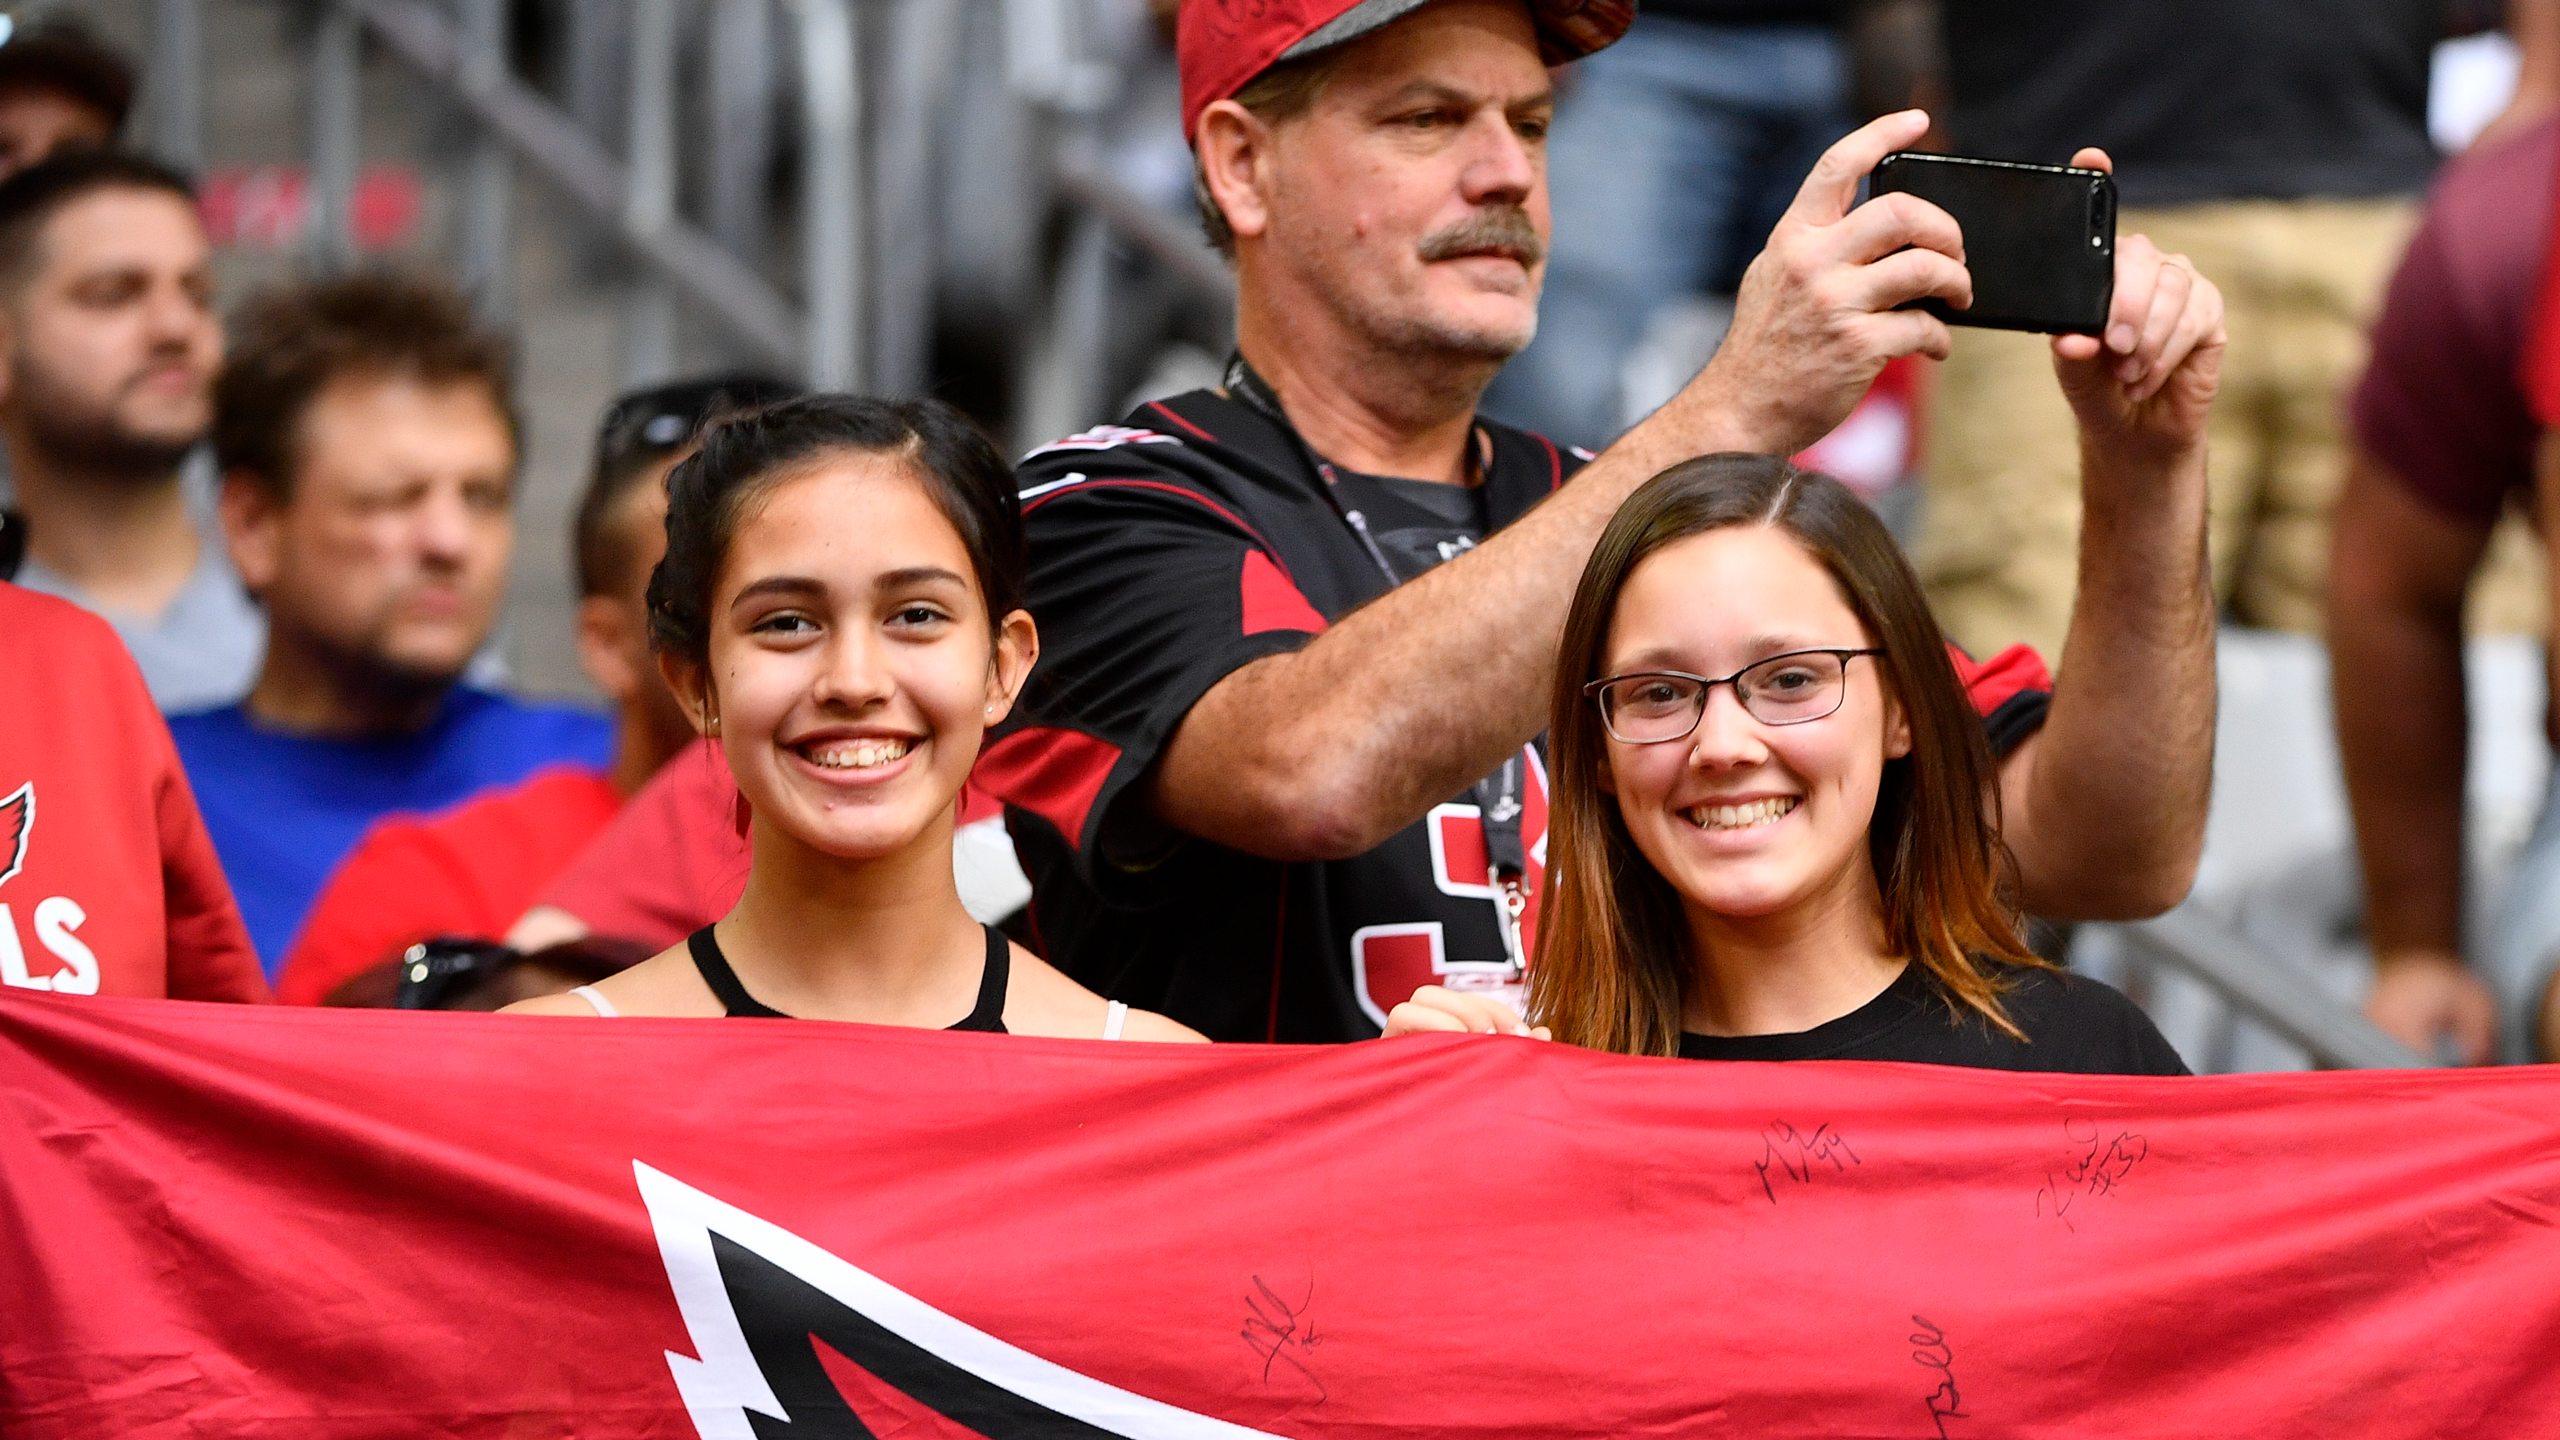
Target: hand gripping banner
[{"x": 248, "y": 1221}]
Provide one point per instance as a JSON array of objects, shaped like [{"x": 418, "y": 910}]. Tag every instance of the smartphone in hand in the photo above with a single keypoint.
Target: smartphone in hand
[{"x": 2040, "y": 240}]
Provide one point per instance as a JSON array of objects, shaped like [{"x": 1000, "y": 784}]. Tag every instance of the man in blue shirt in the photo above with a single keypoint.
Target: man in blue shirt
[{"x": 369, "y": 453}]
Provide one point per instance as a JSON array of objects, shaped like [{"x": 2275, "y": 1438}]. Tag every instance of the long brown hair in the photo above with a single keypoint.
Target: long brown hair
[{"x": 1613, "y": 959}]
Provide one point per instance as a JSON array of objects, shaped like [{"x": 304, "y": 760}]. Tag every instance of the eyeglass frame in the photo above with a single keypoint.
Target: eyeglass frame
[{"x": 1707, "y": 690}]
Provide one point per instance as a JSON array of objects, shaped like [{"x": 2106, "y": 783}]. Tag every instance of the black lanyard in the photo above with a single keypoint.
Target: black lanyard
[{"x": 1498, "y": 794}]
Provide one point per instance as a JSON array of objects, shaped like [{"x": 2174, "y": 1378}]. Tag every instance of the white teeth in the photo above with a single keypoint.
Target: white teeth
[
  {"x": 858, "y": 754},
  {"x": 1740, "y": 817}
]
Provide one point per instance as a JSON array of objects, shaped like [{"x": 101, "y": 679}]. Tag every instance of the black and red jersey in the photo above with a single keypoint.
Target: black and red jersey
[{"x": 1166, "y": 553}]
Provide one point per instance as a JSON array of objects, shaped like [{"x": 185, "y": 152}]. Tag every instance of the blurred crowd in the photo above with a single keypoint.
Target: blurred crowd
[{"x": 1281, "y": 770}]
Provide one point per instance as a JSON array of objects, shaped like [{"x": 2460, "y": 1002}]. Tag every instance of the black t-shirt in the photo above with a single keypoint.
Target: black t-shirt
[
  {"x": 2199, "y": 100},
  {"x": 1416, "y": 524},
  {"x": 1170, "y": 551},
  {"x": 2074, "y": 1025}
]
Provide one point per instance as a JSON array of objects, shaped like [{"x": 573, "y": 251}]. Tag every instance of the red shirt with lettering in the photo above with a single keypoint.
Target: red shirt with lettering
[{"x": 108, "y": 882}]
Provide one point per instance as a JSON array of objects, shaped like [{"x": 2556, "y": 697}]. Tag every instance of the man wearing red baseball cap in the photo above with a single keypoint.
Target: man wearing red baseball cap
[{"x": 1277, "y": 766}]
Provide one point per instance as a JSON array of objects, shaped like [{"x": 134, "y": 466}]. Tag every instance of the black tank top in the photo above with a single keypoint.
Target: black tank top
[{"x": 988, "y": 1017}]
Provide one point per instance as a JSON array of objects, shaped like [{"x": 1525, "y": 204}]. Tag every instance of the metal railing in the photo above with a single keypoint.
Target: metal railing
[
  {"x": 633, "y": 197},
  {"x": 2265, "y": 987},
  {"x": 863, "y": 312}
]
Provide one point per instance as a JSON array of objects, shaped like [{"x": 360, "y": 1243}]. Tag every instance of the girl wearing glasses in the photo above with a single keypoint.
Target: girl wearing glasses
[
  {"x": 840, "y": 607},
  {"x": 1772, "y": 835}
]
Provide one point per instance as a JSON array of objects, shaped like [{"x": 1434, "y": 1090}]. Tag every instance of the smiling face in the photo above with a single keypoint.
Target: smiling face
[
  {"x": 1748, "y": 820},
  {"x": 1411, "y": 198},
  {"x": 853, "y": 665}
]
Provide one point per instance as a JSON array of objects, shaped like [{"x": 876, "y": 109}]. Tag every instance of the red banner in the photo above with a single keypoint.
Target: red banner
[{"x": 237, "y": 1221}]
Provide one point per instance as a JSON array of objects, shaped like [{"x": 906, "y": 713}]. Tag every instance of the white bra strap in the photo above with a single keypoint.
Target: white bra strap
[
  {"x": 603, "y": 1006},
  {"x": 1111, "y": 1024}
]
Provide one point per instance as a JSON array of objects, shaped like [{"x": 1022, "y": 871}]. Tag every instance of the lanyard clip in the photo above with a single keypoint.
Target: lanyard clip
[{"x": 1510, "y": 902}]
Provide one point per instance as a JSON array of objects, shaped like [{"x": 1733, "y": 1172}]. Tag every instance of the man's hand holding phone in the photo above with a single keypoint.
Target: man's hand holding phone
[
  {"x": 1819, "y": 313},
  {"x": 2148, "y": 382}
]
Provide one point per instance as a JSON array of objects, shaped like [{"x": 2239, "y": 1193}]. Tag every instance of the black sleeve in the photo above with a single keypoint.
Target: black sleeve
[{"x": 1146, "y": 592}]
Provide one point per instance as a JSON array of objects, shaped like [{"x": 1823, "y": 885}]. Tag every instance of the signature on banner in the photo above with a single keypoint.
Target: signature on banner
[
  {"x": 1931, "y": 1352},
  {"x": 1793, "y": 1153},
  {"x": 1280, "y": 1334},
  {"x": 2096, "y": 1168}
]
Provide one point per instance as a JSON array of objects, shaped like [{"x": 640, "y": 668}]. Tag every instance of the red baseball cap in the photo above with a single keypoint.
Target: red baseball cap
[{"x": 1223, "y": 44}]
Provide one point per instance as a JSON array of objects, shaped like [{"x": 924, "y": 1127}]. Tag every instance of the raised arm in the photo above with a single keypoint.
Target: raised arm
[
  {"x": 2105, "y": 807},
  {"x": 1328, "y": 750},
  {"x": 2535, "y": 27},
  {"x": 2398, "y": 570}
]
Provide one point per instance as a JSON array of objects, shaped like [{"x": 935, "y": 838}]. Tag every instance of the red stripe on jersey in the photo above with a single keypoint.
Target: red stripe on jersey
[
  {"x": 1271, "y": 602},
  {"x": 1053, "y": 773},
  {"x": 976, "y": 804},
  {"x": 1990, "y": 683},
  {"x": 1162, "y": 409},
  {"x": 1194, "y": 496},
  {"x": 1555, "y": 465}
]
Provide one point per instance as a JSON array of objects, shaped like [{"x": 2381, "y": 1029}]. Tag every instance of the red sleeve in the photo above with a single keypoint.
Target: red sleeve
[
  {"x": 391, "y": 891},
  {"x": 467, "y": 871},
  {"x": 2439, "y": 406},
  {"x": 2010, "y": 691},
  {"x": 210, "y": 957},
  {"x": 672, "y": 862},
  {"x": 2539, "y": 373}
]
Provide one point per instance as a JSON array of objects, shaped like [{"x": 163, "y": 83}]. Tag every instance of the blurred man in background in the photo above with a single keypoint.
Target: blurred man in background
[
  {"x": 473, "y": 870},
  {"x": 108, "y": 347},
  {"x": 2445, "y": 440},
  {"x": 59, "y": 90},
  {"x": 2282, "y": 146},
  {"x": 368, "y": 448}
]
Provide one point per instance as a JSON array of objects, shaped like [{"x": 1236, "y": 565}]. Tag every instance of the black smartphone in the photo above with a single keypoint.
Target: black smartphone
[{"x": 2040, "y": 240}]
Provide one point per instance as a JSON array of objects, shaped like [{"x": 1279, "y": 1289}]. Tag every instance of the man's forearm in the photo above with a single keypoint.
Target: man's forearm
[
  {"x": 2402, "y": 717},
  {"x": 2109, "y": 821},
  {"x": 2397, "y": 574},
  {"x": 1327, "y": 751},
  {"x": 2534, "y": 25}
]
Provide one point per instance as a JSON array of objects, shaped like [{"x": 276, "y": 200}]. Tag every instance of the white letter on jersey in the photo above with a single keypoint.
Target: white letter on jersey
[
  {"x": 13, "y": 960},
  {"x": 56, "y": 917}
]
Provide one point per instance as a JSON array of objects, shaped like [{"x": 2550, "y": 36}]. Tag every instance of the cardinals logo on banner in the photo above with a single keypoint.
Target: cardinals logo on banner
[{"x": 249, "y": 1221}]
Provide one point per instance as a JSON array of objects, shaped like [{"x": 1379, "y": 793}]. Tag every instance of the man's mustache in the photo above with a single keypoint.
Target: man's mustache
[{"x": 1504, "y": 229}]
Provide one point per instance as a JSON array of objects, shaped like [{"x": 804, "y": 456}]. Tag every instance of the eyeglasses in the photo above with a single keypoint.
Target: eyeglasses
[{"x": 1655, "y": 706}]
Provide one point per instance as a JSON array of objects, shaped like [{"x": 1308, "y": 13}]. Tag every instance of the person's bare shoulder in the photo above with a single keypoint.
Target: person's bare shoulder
[
  {"x": 550, "y": 1005},
  {"x": 1041, "y": 1000}
]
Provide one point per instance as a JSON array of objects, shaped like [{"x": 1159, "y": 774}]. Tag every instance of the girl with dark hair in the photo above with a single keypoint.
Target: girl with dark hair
[
  {"x": 1774, "y": 832},
  {"x": 840, "y": 607}
]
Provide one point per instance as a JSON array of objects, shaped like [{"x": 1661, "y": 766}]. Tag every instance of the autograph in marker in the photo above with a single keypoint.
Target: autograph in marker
[
  {"x": 2096, "y": 1169},
  {"x": 1930, "y": 1351},
  {"x": 1280, "y": 1334},
  {"x": 1793, "y": 1153}
]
